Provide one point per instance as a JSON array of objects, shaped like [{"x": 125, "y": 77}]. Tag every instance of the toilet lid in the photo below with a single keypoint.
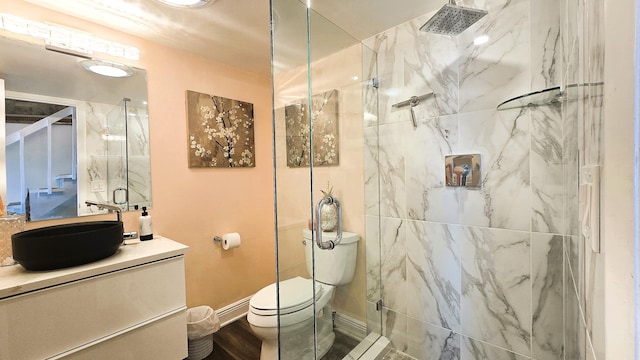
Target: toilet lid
[{"x": 295, "y": 294}]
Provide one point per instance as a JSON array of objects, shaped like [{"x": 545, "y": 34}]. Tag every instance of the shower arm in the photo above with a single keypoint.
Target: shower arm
[
  {"x": 318, "y": 231},
  {"x": 413, "y": 102}
]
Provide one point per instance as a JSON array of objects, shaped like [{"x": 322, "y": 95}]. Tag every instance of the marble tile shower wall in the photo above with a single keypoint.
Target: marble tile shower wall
[
  {"x": 583, "y": 43},
  {"x": 478, "y": 274},
  {"x": 100, "y": 168}
]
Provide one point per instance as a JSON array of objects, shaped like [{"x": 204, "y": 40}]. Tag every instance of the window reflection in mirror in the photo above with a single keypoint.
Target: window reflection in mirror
[{"x": 110, "y": 135}]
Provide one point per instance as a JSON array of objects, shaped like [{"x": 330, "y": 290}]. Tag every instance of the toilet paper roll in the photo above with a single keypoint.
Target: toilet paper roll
[{"x": 230, "y": 241}]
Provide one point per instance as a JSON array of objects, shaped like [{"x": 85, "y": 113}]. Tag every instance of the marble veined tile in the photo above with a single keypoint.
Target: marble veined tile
[
  {"x": 389, "y": 74},
  {"x": 371, "y": 171},
  {"x": 414, "y": 63},
  {"x": 570, "y": 167},
  {"x": 497, "y": 70},
  {"x": 433, "y": 273},
  {"x": 593, "y": 124},
  {"x": 546, "y": 44},
  {"x": 391, "y": 154},
  {"x": 370, "y": 92},
  {"x": 139, "y": 180},
  {"x": 427, "y": 196},
  {"x": 547, "y": 292},
  {"x": 138, "y": 132},
  {"x": 394, "y": 327},
  {"x": 374, "y": 318},
  {"x": 592, "y": 299},
  {"x": 594, "y": 66},
  {"x": 496, "y": 288},
  {"x": 431, "y": 342},
  {"x": 574, "y": 254},
  {"x": 372, "y": 226},
  {"x": 547, "y": 181},
  {"x": 430, "y": 64},
  {"x": 572, "y": 17},
  {"x": 477, "y": 350},
  {"x": 574, "y": 327},
  {"x": 502, "y": 138},
  {"x": 406, "y": 32},
  {"x": 393, "y": 254}
]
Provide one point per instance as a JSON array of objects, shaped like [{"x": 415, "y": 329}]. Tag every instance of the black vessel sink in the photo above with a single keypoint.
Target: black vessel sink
[{"x": 61, "y": 246}]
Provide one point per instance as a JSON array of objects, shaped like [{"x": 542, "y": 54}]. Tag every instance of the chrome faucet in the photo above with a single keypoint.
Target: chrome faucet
[{"x": 109, "y": 207}]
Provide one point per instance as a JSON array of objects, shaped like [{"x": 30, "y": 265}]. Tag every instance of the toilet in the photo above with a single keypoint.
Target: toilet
[{"x": 333, "y": 267}]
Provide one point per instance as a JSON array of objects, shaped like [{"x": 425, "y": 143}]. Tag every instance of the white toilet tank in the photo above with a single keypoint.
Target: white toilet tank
[{"x": 335, "y": 266}]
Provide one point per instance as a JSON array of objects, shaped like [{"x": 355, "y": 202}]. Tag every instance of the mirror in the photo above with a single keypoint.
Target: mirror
[{"x": 99, "y": 151}]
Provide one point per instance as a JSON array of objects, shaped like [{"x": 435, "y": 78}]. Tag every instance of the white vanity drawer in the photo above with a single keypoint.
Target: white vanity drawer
[
  {"x": 51, "y": 321},
  {"x": 164, "y": 339}
]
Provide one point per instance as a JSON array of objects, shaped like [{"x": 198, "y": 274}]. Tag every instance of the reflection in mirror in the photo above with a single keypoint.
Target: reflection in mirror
[
  {"x": 40, "y": 159},
  {"x": 99, "y": 149}
]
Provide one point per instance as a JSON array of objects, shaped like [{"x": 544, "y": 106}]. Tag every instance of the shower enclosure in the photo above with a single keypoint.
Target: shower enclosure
[
  {"x": 507, "y": 270},
  {"x": 323, "y": 151},
  {"x": 126, "y": 153}
]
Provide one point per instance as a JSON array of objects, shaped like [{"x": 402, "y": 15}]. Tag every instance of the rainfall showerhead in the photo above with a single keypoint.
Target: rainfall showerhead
[{"x": 452, "y": 19}]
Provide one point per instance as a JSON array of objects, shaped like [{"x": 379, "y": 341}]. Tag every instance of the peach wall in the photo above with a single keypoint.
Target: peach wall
[
  {"x": 193, "y": 205},
  {"x": 334, "y": 72}
]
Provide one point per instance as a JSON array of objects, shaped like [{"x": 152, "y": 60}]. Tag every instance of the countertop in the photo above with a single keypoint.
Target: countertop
[{"x": 15, "y": 280}]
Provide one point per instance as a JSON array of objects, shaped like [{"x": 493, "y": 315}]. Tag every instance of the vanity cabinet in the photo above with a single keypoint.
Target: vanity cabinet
[{"x": 131, "y": 305}]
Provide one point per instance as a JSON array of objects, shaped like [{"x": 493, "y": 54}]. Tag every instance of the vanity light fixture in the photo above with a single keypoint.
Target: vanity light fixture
[
  {"x": 187, "y": 3},
  {"x": 66, "y": 40},
  {"x": 107, "y": 68}
]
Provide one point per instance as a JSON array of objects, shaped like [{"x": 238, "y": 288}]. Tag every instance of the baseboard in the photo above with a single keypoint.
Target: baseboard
[
  {"x": 234, "y": 311},
  {"x": 351, "y": 326}
]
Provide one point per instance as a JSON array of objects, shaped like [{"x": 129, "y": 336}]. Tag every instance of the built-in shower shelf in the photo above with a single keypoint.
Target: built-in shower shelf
[{"x": 552, "y": 96}]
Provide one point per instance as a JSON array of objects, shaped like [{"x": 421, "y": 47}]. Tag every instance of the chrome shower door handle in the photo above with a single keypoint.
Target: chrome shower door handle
[
  {"x": 318, "y": 231},
  {"x": 126, "y": 196}
]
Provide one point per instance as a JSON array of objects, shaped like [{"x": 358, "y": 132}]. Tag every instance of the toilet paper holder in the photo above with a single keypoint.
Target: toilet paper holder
[{"x": 228, "y": 241}]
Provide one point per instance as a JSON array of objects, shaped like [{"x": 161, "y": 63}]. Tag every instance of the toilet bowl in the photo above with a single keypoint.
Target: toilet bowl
[
  {"x": 297, "y": 312},
  {"x": 296, "y": 318}
]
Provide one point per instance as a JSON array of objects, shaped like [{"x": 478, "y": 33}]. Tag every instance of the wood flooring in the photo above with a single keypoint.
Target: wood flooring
[{"x": 236, "y": 341}]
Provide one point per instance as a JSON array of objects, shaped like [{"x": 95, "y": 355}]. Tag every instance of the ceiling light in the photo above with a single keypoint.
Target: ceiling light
[
  {"x": 480, "y": 40},
  {"x": 107, "y": 68},
  {"x": 186, "y": 3}
]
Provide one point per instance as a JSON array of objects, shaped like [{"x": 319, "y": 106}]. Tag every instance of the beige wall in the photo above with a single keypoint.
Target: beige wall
[{"x": 193, "y": 205}]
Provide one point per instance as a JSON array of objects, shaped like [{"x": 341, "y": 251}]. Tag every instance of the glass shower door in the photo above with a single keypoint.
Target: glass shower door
[
  {"x": 325, "y": 105},
  {"x": 117, "y": 155}
]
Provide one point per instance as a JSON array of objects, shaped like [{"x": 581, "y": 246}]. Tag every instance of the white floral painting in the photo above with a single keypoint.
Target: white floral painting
[
  {"x": 320, "y": 140},
  {"x": 220, "y": 131}
]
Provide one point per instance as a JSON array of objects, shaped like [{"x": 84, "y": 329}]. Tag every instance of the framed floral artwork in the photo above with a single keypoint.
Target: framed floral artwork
[
  {"x": 320, "y": 140},
  {"x": 220, "y": 131}
]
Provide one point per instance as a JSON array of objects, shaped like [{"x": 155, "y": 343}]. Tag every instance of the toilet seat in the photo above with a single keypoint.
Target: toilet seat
[
  {"x": 295, "y": 295},
  {"x": 296, "y": 302}
]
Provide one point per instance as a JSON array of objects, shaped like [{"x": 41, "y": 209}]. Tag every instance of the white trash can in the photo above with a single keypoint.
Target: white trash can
[{"x": 202, "y": 322}]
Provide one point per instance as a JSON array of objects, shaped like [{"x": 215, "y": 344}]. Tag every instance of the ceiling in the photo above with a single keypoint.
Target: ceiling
[
  {"x": 236, "y": 32},
  {"x": 62, "y": 77}
]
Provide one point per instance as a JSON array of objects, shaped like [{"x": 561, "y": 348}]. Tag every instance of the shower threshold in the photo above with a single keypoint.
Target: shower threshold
[{"x": 372, "y": 347}]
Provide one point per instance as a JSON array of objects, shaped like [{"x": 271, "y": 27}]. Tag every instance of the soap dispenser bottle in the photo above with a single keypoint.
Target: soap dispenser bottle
[{"x": 146, "y": 230}]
